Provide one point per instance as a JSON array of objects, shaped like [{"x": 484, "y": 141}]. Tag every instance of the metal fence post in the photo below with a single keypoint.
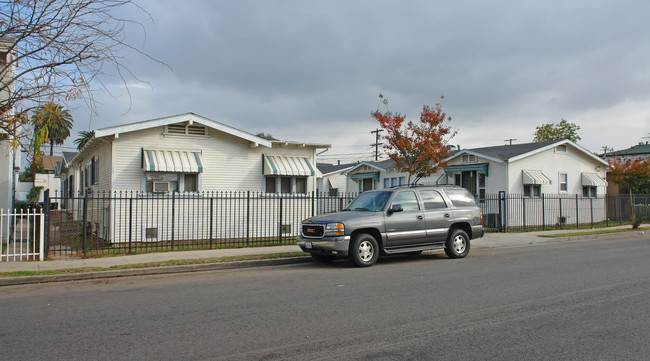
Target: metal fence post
[
  {"x": 173, "y": 217},
  {"x": 560, "y": 219},
  {"x": 280, "y": 223},
  {"x": 577, "y": 213},
  {"x": 84, "y": 226},
  {"x": 131, "y": 222},
  {"x": 211, "y": 218},
  {"x": 502, "y": 198},
  {"x": 248, "y": 218},
  {"x": 523, "y": 212},
  {"x": 543, "y": 213},
  {"x": 45, "y": 242}
]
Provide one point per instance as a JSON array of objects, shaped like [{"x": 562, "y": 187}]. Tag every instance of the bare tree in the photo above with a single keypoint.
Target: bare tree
[{"x": 59, "y": 50}]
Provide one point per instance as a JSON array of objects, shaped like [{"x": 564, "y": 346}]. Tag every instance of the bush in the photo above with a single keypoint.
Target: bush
[{"x": 22, "y": 206}]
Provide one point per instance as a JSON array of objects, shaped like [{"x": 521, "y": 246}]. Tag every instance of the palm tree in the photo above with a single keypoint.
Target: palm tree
[
  {"x": 84, "y": 137},
  {"x": 55, "y": 120}
]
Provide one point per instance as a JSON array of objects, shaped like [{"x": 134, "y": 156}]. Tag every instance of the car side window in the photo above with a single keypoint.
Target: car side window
[
  {"x": 432, "y": 200},
  {"x": 460, "y": 197},
  {"x": 407, "y": 200}
]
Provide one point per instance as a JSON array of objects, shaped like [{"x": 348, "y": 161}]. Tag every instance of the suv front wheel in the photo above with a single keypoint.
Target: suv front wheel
[
  {"x": 457, "y": 245},
  {"x": 365, "y": 250}
]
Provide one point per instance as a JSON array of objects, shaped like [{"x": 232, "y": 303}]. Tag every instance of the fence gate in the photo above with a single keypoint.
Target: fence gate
[{"x": 21, "y": 236}]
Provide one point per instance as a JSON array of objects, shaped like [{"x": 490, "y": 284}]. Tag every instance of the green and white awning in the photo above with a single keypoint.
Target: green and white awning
[
  {"x": 289, "y": 166},
  {"x": 530, "y": 176},
  {"x": 172, "y": 161},
  {"x": 593, "y": 180}
]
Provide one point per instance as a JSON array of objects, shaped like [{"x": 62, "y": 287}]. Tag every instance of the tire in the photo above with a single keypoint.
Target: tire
[
  {"x": 321, "y": 258},
  {"x": 457, "y": 245},
  {"x": 364, "y": 251}
]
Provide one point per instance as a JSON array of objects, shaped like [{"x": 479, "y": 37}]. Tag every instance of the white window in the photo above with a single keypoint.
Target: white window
[
  {"x": 564, "y": 182},
  {"x": 285, "y": 184},
  {"x": 532, "y": 190},
  {"x": 589, "y": 191},
  {"x": 161, "y": 182},
  {"x": 469, "y": 158}
]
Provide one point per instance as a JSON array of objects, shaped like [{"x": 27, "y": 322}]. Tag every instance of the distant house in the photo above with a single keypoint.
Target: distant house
[
  {"x": 48, "y": 178},
  {"x": 382, "y": 174},
  {"x": 188, "y": 153},
  {"x": 334, "y": 181},
  {"x": 639, "y": 151},
  {"x": 532, "y": 169}
]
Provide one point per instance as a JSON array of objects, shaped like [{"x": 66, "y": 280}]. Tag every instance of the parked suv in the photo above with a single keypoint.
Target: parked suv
[{"x": 395, "y": 220}]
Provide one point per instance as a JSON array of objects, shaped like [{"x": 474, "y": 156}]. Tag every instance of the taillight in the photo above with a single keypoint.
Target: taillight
[{"x": 481, "y": 218}]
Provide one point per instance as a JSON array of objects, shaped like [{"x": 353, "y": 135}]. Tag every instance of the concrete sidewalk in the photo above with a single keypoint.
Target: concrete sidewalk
[{"x": 490, "y": 240}]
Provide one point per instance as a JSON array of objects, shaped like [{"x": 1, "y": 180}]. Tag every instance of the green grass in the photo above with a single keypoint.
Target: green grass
[
  {"x": 588, "y": 233},
  {"x": 180, "y": 262}
]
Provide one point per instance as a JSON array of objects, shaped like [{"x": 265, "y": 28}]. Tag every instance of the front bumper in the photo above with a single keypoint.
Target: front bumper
[{"x": 330, "y": 246}]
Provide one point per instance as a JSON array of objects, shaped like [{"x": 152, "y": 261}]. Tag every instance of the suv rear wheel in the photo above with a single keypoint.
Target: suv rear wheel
[
  {"x": 365, "y": 250},
  {"x": 457, "y": 245}
]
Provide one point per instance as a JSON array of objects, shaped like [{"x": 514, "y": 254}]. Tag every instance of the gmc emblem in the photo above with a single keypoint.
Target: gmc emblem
[{"x": 311, "y": 230}]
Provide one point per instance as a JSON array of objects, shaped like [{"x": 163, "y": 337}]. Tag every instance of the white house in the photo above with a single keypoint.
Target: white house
[
  {"x": 334, "y": 181},
  {"x": 9, "y": 158},
  {"x": 382, "y": 174},
  {"x": 551, "y": 167},
  {"x": 191, "y": 153}
]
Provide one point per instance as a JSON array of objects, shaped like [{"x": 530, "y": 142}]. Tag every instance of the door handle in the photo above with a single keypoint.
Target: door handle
[
  {"x": 446, "y": 215},
  {"x": 420, "y": 218}
]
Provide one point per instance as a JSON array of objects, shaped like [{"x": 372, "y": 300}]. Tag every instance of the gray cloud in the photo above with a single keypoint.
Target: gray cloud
[{"x": 312, "y": 70}]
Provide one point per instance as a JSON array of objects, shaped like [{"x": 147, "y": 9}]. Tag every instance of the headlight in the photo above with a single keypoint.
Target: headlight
[{"x": 334, "y": 229}]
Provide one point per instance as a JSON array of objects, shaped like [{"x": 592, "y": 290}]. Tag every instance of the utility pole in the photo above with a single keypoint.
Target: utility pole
[
  {"x": 605, "y": 149},
  {"x": 376, "y": 142}
]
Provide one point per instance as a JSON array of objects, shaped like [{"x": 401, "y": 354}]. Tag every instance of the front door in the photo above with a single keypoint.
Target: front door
[{"x": 407, "y": 227}]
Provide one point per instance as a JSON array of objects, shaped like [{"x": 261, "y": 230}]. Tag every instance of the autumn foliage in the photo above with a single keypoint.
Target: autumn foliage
[
  {"x": 418, "y": 148},
  {"x": 633, "y": 174}
]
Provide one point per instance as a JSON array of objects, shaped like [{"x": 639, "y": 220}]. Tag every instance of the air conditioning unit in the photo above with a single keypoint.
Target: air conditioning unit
[{"x": 160, "y": 187}]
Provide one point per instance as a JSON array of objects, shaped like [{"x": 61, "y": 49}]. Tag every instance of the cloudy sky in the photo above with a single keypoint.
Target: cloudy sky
[{"x": 312, "y": 71}]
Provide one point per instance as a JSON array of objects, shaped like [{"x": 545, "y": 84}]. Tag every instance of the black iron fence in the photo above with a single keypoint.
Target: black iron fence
[
  {"x": 138, "y": 222},
  {"x": 132, "y": 222}
]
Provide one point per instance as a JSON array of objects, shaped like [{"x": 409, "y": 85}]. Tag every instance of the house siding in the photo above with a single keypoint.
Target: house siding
[
  {"x": 552, "y": 163},
  {"x": 229, "y": 162}
]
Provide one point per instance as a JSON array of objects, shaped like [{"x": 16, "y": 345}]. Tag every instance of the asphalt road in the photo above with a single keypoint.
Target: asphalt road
[{"x": 582, "y": 300}]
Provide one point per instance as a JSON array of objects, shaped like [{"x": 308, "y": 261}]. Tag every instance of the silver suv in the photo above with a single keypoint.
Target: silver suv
[{"x": 395, "y": 220}]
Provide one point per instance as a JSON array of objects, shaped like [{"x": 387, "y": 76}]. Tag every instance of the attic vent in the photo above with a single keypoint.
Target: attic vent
[
  {"x": 561, "y": 148},
  {"x": 195, "y": 130},
  {"x": 176, "y": 129}
]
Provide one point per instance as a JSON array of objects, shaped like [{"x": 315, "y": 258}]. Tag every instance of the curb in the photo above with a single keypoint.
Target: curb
[{"x": 14, "y": 281}]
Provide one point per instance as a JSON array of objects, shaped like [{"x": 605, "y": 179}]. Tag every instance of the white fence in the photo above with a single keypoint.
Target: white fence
[{"x": 21, "y": 236}]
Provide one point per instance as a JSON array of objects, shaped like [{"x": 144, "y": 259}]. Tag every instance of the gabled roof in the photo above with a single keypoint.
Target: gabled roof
[
  {"x": 190, "y": 118},
  {"x": 511, "y": 153},
  {"x": 187, "y": 117},
  {"x": 49, "y": 161},
  {"x": 639, "y": 149},
  {"x": 381, "y": 166},
  {"x": 327, "y": 168},
  {"x": 68, "y": 156}
]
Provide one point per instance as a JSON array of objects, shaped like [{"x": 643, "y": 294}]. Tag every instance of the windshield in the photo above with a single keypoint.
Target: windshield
[{"x": 369, "y": 202}]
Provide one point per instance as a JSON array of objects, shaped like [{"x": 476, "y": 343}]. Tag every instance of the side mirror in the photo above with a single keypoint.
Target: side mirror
[{"x": 395, "y": 208}]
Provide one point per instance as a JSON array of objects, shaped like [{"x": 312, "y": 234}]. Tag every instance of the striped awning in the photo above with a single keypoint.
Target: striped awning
[
  {"x": 593, "y": 180},
  {"x": 172, "y": 160},
  {"x": 289, "y": 166},
  {"x": 534, "y": 177}
]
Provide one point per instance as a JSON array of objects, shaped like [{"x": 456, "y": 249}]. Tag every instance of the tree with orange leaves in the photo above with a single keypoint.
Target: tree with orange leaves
[
  {"x": 635, "y": 176},
  {"x": 417, "y": 148}
]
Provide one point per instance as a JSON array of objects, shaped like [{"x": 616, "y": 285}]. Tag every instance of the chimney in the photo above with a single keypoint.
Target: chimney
[{"x": 339, "y": 162}]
